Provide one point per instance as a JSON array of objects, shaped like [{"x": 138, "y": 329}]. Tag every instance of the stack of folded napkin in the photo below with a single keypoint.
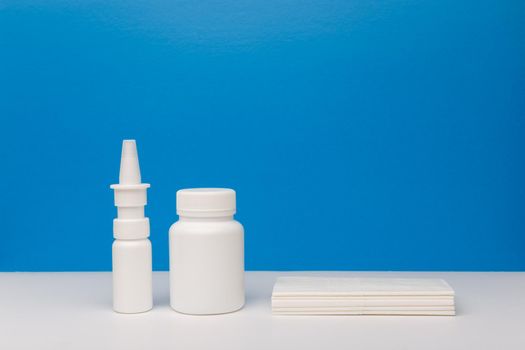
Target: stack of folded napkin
[{"x": 362, "y": 296}]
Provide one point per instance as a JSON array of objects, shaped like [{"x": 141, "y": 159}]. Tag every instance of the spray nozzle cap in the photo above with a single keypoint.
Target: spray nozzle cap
[{"x": 129, "y": 164}]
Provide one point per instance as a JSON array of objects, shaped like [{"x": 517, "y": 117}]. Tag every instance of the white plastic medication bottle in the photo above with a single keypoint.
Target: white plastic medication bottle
[
  {"x": 132, "y": 277},
  {"x": 206, "y": 253}
]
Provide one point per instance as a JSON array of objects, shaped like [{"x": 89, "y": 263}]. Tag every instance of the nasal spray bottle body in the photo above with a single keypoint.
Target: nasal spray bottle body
[{"x": 132, "y": 270}]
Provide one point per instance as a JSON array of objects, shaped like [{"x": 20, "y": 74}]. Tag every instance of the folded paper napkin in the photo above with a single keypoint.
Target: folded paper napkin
[{"x": 362, "y": 296}]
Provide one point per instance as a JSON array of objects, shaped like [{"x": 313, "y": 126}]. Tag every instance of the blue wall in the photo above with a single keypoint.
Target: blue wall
[{"x": 359, "y": 134}]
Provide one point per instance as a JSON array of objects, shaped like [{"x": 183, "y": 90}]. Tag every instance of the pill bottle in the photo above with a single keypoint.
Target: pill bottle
[{"x": 206, "y": 253}]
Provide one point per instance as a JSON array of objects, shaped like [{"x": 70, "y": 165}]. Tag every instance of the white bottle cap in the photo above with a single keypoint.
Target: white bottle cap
[
  {"x": 129, "y": 164},
  {"x": 206, "y": 202}
]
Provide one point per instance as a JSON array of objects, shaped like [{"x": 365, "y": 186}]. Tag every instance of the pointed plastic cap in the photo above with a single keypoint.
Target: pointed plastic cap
[{"x": 129, "y": 164}]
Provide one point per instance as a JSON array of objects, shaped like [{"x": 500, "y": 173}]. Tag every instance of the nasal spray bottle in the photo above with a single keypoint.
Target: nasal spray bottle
[{"x": 132, "y": 284}]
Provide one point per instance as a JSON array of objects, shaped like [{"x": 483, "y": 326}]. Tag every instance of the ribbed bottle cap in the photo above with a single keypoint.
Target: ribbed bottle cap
[{"x": 206, "y": 202}]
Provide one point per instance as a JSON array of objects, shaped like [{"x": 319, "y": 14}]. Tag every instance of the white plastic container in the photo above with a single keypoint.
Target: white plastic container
[
  {"x": 132, "y": 284},
  {"x": 206, "y": 253},
  {"x": 132, "y": 276}
]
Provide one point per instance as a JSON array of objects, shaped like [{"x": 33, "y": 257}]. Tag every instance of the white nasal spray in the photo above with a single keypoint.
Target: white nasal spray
[{"x": 132, "y": 284}]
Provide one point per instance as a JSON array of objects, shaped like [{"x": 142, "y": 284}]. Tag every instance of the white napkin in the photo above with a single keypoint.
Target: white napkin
[
  {"x": 360, "y": 301},
  {"x": 366, "y": 312},
  {"x": 341, "y": 286},
  {"x": 362, "y": 296}
]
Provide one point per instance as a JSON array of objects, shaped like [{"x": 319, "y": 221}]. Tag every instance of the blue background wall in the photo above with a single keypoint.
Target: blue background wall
[{"x": 358, "y": 134}]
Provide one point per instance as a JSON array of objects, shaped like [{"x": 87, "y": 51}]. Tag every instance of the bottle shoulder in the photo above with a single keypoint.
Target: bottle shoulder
[
  {"x": 118, "y": 243},
  {"x": 206, "y": 226}
]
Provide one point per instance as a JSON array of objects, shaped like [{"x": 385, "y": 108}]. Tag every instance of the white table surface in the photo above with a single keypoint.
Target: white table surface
[{"x": 73, "y": 311}]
